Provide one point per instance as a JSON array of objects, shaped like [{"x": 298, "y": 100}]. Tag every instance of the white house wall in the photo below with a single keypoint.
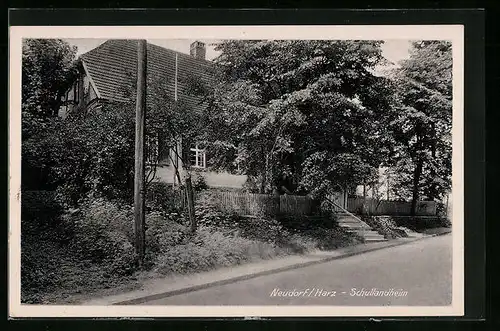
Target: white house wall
[{"x": 213, "y": 179}]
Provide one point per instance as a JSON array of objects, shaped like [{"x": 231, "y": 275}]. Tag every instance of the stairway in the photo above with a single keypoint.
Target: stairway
[{"x": 352, "y": 224}]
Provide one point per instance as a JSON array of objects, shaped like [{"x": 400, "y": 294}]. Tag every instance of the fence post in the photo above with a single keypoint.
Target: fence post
[
  {"x": 276, "y": 201},
  {"x": 190, "y": 203}
]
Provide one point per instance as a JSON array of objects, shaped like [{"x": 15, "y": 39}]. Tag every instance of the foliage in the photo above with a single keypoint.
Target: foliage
[
  {"x": 210, "y": 249},
  {"x": 87, "y": 155},
  {"x": 86, "y": 248},
  {"x": 327, "y": 171},
  {"x": 199, "y": 182},
  {"x": 277, "y": 115},
  {"x": 329, "y": 238},
  {"x": 422, "y": 127},
  {"x": 163, "y": 197},
  {"x": 303, "y": 223},
  {"x": 48, "y": 65},
  {"x": 41, "y": 207},
  {"x": 168, "y": 120},
  {"x": 103, "y": 234},
  {"x": 92, "y": 247},
  {"x": 209, "y": 216},
  {"x": 386, "y": 226}
]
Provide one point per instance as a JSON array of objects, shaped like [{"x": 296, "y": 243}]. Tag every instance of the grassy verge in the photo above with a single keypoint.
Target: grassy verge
[{"x": 91, "y": 249}]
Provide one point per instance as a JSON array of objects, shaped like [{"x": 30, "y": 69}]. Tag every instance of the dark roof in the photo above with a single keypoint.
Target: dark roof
[{"x": 111, "y": 64}]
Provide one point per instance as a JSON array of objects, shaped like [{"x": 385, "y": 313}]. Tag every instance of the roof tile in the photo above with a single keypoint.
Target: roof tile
[{"x": 112, "y": 63}]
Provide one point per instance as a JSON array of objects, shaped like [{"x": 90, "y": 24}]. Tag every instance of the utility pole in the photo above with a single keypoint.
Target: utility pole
[{"x": 140, "y": 121}]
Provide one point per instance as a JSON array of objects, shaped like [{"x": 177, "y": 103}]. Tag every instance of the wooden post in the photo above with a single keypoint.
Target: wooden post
[
  {"x": 190, "y": 202},
  {"x": 140, "y": 121},
  {"x": 276, "y": 201},
  {"x": 345, "y": 197}
]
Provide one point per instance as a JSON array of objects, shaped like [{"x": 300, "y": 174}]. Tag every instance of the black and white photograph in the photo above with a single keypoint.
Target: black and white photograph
[{"x": 236, "y": 171}]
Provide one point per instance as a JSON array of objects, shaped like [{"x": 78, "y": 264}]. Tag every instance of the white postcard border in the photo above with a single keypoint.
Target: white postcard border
[{"x": 454, "y": 33}]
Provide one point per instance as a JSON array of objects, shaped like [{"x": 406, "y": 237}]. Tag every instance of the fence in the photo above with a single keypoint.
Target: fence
[
  {"x": 384, "y": 207},
  {"x": 255, "y": 204}
]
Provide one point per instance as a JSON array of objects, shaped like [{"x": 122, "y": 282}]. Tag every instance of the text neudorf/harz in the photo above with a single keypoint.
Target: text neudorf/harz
[
  {"x": 309, "y": 292},
  {"x": 354, "y": 292}
]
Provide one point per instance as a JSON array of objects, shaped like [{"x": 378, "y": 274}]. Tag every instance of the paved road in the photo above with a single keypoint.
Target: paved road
[{"x": 418, "y": 274}]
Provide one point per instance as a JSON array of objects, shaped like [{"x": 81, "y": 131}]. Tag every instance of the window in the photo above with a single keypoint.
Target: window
[{"x": 198, "y": 157}]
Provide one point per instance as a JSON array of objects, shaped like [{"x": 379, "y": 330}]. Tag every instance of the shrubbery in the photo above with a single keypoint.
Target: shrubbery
[
  {"x": 163, "y": 197},
  {"x": 89, "y": 247},
  {"x": 103, "y": 234},
  {"x": 199, "y": 182},
  {"x": 208, "y": 249},
  {"x": 92, "y": 246},
  {"x": 40, "y": 206}
]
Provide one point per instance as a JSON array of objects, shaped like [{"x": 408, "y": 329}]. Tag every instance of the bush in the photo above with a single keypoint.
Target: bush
[
  {"x": 264, "y": 229},
  {"x": 385, "y": 225},
  {"x": 209, "y": 249},
  {"x": 209, "y": 216},
  {"x": 42, "y": 238},
  {"x": 40, "y": 206},
  {"x": 40, "y": 264},
  {"x": 327, "y": 239},
  {"x": 303, "y": 222},
  {"x": 163, "y": 231},
  {"x": 86, "y": 154},
  {"x": 103, "y": 234},
  {"x": 199, "y": 182},
  {"x": 92, "y": 247},
  {"x": 163, "y": 197}
]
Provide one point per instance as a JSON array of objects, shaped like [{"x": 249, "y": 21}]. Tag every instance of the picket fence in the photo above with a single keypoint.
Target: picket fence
[
  {"x": 370, "y": 206},
  {"x": 257, "y": 204},
  {"x": 243, "y": 203}
]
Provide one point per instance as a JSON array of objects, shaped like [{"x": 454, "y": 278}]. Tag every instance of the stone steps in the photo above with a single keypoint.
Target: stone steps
[
  {"x": 360, "y": 228},
  {"x": 354, "y": 226}
]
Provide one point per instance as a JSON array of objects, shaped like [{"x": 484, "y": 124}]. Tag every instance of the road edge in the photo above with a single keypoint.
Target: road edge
[{"x": 226, "y": 281}]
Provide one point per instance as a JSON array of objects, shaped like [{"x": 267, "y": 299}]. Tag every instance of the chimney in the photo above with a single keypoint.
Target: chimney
[{"x": 198, "y": 50}]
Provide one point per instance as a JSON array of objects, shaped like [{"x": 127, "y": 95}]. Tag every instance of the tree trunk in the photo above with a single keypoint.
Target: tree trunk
[
  {"x": 190, "y": 203},
  {"x": 262, "y": 189},
  {"x": 416, "y": 180},
  {"x": 388, "y": 188},
  {"x": 276, "y": 200}
]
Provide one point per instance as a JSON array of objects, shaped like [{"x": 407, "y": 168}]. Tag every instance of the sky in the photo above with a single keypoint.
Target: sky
[{"x": 393, "y": 50}]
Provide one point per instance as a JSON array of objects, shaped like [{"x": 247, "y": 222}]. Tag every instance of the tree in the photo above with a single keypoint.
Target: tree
[
  {"x": 422, "y": 129},
  {"x": 88, "y": 155},
  {"x": 48, "y": 65},
  {"x": 299, "y": 116},
  {"x": 168, "y": 122}
]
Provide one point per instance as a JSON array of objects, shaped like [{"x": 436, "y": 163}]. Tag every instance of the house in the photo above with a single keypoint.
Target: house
[
  {"x": 103, "y": 71},
  {"x": 380, "y": 189}
]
